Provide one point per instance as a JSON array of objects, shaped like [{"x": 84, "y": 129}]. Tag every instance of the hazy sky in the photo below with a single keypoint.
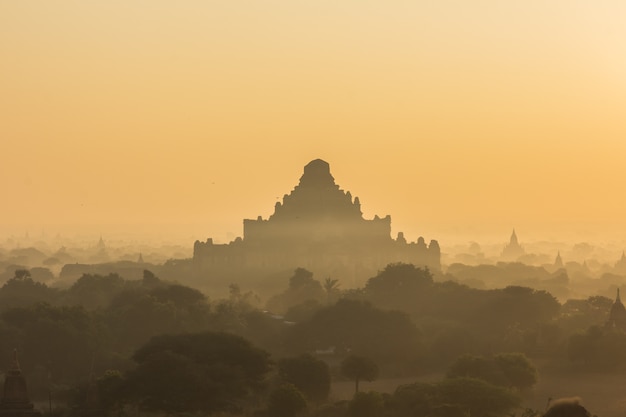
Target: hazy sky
[{"x": 460, "y": 119}]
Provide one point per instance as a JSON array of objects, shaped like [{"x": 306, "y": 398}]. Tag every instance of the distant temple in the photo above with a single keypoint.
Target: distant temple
[
  {"x": 558, "y": 261},
  {"x": 15, "y": 402},
  {"x": 617, "y": 316},
  {"x": 513, "y": 250},
  {"x": 320, "y": 227}
]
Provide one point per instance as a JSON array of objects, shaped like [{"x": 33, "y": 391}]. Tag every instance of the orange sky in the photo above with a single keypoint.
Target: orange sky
[{"x": 460, "y": 119}]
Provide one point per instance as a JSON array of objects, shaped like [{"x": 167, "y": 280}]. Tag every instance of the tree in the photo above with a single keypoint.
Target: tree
[
  {"x": 566, "y": 407},
  {"x": 310, "y": 375},
  {"x": 111, "y": 391},
  {"x": 286, "y": 401},
  {"x": 384, "y": 336},
  {"x": 398, "y": 284},
  {"x": 169, "y": 382},
  {"x": 330, "y": 286},
  {"x": 303, "y": 311},
  {"x": 180, "y": 295},
  {"x": 517, "y": 369},
  {"x": 22, "y": 291},
  {"x": 204, "y": 372},
  {"x": 93, "y": 291},
  {"x": 302, "y": 287},
  {"x": 510, "y": 370},
  {"x": 479, "y": 367},
  {"x": 21, "y": 274},
  {"x": 134, "y": 317},
  {"x": 453, "y": 397},
  {"x": 149, "y": 279},
  {"x": 417, "y": 399},
  {"x": 59, "y": 340},
  {"x": 578, "y": 315},
  {"x": 523, "y": 306},
  {"x": 476, "y": 397},
  {"x": 366, "y": 404},
  {"x": 359, "y": 368},
  {"x": 244, "y": 301},
  {"x": 598, "y": 348}
]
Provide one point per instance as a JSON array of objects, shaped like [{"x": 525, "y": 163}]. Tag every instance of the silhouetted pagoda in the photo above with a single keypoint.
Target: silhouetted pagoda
[
  {"x": 617, "y": 316},
  {"x": 15, "y": 402},
  {"x": 558, "y": 261},
  {"x": 320, "y": 227},
  {"x": 513, "y": 250}
]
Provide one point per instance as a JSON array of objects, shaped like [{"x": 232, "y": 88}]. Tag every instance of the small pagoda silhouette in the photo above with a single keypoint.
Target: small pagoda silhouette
[
  {"x": 617, "y": 316},
  {"x": 15, "y": 402}
]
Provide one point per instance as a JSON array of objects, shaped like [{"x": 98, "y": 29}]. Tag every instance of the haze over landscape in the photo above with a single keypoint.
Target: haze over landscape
[
  {"x": 462, "y": 120},
  {"x": 312, "y": 209}
]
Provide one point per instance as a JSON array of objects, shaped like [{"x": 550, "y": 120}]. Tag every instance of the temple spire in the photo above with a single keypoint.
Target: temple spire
[
  {"x": 617, "y": 299},
  {"x": 558, "y": 262},
  {"x": 15, "y": 365},
  {"x": 15, "y": 400},
  {"x": 513, "y": 250}
]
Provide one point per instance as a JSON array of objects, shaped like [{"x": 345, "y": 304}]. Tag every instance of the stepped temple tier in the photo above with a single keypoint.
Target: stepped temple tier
[{"x": 320, "y": 227}]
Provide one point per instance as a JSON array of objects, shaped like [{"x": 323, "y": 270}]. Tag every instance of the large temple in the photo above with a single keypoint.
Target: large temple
[{"x": 320, "y": 227}]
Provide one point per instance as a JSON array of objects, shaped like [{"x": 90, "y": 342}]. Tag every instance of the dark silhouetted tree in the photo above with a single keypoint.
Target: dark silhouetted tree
[
  {"x": 511, "y": 370},
  {"x": 59, "y": 340},
  {"x": 150, "y": 280},
  {"x": 566, "y": 407},
  {"x": 22, "y": 291},
  {"x": 366, "y": 404},
  {"x": 417, "y": 399},
  {"x": 21, "y": 274},
  {"x": 111, "y": 394},
  {"x": 384, "y": 336},
  {"x": 398, "y": 284},
  {"x": 331, "y": 286},
  {"x": 454, "y": 397},
  {"x": 310, "y": 375},
  {"x": 359, "y": 368},
  {"x": 302, "y": 287},
  {"x": 476, "y": 397},
  {"x": 519, "y": 373},
  {"x": 286, "y": 401},
  {"x": 200, "y": 372},
  {"x": 95, "y": 291}
]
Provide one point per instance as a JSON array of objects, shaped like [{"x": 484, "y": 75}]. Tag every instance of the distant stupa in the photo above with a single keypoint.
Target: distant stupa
[
  {"x": 617, "y": 316},
  {"x": 15, "y": 402},
  {"x": 101, "y": 246},
  {"x": 513, "y": 250},
  {"x": 558, "y": 262}
]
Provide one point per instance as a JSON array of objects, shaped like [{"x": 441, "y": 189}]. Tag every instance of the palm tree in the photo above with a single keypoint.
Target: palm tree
[{"x": 330, "y": 286}]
